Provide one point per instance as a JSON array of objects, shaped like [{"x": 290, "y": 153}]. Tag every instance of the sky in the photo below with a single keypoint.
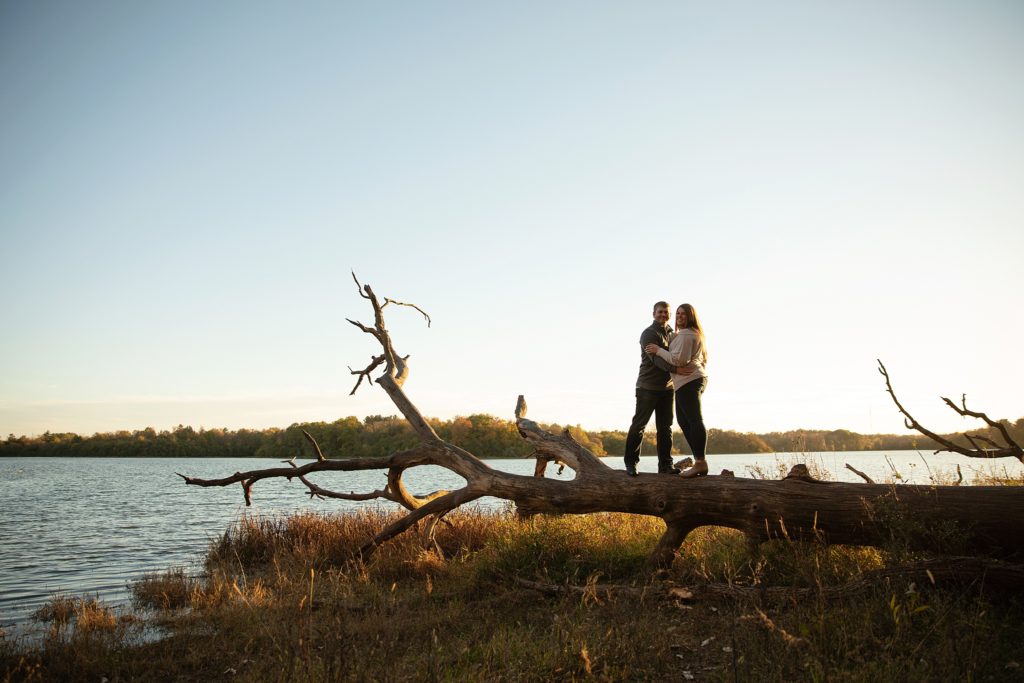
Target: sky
[{"x": 186, "y": 187}]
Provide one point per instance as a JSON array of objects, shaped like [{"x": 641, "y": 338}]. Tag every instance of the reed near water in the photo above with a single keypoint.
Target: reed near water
[{"x": 496, "y": 597}]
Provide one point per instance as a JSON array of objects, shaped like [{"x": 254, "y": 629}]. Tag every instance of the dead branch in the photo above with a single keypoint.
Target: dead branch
[
  {"x": 375, "y": 363},
  {"x": 439, "y": 506},
  {"x": 551, "y": 447},
  {"x": 788, "y": 638},
  {"x": 981, "y": 437},
  {"x": 1011, "y": 450},
  {"x": 404, "y": 459},
  {"x": 860, "y": 474},
  {"x": 316, "y": 446},
  {"x": 403, "y": 496},
  {"x": 399, "y": 303},
  {"x": 963, "y": 411}
]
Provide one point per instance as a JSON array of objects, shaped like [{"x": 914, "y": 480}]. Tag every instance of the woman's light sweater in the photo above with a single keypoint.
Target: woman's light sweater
[{"x": 684, "y": 348}]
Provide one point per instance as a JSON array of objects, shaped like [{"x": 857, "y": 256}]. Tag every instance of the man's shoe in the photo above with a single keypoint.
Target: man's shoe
[
  {"x": 631, "y": 470},
  {"x": 668, "y": 470},
  {"x": 699, "y": 469}
]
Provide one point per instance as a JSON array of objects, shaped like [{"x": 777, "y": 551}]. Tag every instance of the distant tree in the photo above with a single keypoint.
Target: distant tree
[{"x": 487, "y": 435}]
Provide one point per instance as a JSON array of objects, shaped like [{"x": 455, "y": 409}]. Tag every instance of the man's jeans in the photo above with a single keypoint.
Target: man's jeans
[{"x": 659, "y": 403}]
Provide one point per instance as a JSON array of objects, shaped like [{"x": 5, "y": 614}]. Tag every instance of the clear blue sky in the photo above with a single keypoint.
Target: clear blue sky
[{"x": 185, "y": 186}]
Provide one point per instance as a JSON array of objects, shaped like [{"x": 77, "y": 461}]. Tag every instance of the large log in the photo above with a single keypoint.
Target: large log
[
  {"x": 979, "y": 519},
  {"x": 953, "y": 519}
]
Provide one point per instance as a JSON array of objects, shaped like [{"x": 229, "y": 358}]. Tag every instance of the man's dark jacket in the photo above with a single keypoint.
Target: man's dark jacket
[{"x": 654, "y": 371}]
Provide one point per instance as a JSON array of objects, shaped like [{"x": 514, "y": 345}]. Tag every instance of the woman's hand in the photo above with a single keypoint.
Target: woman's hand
[{"x": 652, "y": 348}]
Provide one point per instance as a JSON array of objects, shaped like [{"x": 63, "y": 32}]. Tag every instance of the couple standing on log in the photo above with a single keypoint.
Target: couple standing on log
[{"x": 671, "y": 364}]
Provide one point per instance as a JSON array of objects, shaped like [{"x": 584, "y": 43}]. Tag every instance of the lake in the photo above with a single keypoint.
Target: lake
[{"x": 91, "y": 525}]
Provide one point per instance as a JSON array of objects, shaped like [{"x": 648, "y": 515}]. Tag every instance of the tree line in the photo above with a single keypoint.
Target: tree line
[{"x": 483, "y": 435}]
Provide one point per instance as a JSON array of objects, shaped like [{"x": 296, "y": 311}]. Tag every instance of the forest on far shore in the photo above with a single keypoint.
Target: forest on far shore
[{"x": 483, "y": 435}]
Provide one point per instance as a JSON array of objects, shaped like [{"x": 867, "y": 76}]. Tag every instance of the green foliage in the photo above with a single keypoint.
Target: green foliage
[
  {"x": 483, "y": 435},
  {"x": 572, "y": 547}
]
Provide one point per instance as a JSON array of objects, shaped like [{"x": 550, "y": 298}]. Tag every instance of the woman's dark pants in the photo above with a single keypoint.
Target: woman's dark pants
[{"x": 689, "y": 417}]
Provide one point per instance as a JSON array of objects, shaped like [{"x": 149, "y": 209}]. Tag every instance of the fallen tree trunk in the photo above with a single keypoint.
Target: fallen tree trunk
[{"x": 977, "y": 519}]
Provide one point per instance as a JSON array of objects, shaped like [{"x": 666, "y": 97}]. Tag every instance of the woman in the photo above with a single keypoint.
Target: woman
[{"x": 687, "y": 349}]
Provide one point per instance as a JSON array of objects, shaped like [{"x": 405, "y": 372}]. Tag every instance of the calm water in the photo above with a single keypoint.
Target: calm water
[{"x": 91, "y": 525}]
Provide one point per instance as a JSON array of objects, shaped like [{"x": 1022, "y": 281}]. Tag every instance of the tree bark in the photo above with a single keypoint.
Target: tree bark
[{"x": 950, "y": 519}]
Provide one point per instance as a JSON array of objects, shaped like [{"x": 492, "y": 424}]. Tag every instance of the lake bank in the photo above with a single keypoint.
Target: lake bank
[
  {"x": 282, "y": 600},
  {"x": 89, "y": 526}
]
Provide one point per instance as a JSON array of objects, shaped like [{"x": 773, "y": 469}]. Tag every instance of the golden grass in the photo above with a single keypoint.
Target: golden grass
[
  {"x": 284, "y": 599},
  {"x": 83, "y": 614},
  {"x": 170, "y": 590}
]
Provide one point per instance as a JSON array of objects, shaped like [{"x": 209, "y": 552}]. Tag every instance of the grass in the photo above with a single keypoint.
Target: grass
[{"x": 282, "y": 599}]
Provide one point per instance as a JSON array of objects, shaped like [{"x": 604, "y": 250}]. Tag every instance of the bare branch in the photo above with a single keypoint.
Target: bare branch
[
  {"x": 359, "y": 287},
  {"x": 364, "y": 328},
  {"x": 365, "y": 373},
  {"x": 316, "y": 446},
  {"x": 859, "y": 473},
  {"x": 1012, "y": 449},
  {"x": 430, "y": 540},
  {"x": 789, "y": 639},
  {"x": 964, "y": 412},
  {"x": 321, "y": 492},
  {"x": 397, "y": 369},
  {"x": 561, "y": 447},
  {"x": 401, "y": 495},
  {"x": 421, "y": 455},
  {"x": 443, "y": 504},
  {"x": 400, "y": 303},
  {"x": 378, "y": 325},
  {"x": 982, "y": 438},
  {"x": 974, "y": 442}
]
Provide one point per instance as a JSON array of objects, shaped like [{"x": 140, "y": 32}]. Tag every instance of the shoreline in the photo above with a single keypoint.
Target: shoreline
[{"x": 549, "y": 598}]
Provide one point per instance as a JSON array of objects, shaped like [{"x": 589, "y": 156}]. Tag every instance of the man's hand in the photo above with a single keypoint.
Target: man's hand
[{"x": 685, "y": 369}]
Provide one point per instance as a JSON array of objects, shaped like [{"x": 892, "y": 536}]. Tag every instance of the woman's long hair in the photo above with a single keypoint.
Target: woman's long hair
[{"x": 693, "y": 323}]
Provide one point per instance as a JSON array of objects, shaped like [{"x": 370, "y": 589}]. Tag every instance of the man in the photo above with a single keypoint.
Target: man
[{"x": 653, "y": 395}]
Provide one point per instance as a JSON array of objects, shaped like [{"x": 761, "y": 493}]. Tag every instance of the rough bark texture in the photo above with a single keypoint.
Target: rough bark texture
[{"x": 954, "y": 519}]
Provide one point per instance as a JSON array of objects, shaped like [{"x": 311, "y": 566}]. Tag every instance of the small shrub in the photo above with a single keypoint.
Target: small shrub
[
  {"x": 79, "y": 616},
  {"x": 173, "y": 589}
]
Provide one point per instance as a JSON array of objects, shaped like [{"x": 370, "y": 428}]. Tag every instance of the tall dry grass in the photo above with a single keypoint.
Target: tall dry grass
[{"x": 284, "y": 599}]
